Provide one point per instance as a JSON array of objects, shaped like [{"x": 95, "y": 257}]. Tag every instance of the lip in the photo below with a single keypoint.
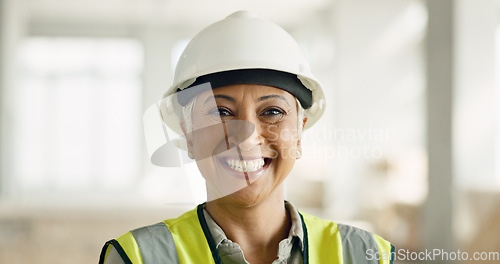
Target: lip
[
  {"x": 252, "y": 175},
  {"x": 244, "y": 158}
]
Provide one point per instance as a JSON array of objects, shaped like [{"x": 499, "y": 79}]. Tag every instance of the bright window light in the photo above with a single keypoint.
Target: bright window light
[{"x": 78, "y": 113}]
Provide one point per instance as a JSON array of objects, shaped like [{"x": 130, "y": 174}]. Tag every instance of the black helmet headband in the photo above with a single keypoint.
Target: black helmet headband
[{"x": 282, "y": 80}]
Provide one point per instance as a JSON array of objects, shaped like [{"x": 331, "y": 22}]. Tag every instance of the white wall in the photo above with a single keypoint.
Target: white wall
[
  {"x": 379, "y": 91},
  {"x": 476, "y": 94}
]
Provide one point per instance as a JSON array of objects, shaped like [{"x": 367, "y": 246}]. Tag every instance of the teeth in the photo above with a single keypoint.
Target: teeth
[{"x": 245, "y": 166}]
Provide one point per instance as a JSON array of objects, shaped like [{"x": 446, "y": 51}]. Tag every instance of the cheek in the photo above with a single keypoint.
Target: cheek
[
  {"x": 284, "y": 132},
  {"x": 287, "y": 150},
  {"x": 284, "y": 140},
  {"x": 203, "y": 150},
  {"x": 207, "y": 141},
  {"x": 286, "y": 159}
]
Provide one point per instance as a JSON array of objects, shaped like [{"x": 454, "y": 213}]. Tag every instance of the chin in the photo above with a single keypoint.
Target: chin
[
  {"x": 246, "y": 198},
  {"x": 255, "y": 193}
]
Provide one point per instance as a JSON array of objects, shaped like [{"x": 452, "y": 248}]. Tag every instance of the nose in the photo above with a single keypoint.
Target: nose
[
  {"x": 254, "y": 140},
  {"x": 243, "y": 133}
]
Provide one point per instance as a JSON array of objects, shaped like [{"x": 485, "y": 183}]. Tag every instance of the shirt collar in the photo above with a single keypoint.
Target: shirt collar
[{"x": 296, "y": 229}]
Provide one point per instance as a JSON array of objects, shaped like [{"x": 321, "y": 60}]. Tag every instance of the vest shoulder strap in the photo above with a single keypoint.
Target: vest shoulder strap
[
  {"x": 323, "y": 239},
  {"x": 127, "y": 248},
  {"x": 179, "y": 240},
  {"x": 360, "y": 246},
  {"x": 107, "y": 248},
  {"x": 156, "y": 244},
  {"x": 337, "y": 243},
  {"x": 145, "y": 245},
  {"x": 192, "y": 245}
]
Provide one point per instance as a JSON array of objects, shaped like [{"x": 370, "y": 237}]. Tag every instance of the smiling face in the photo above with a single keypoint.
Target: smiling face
[{"x": 245, "y": 140}]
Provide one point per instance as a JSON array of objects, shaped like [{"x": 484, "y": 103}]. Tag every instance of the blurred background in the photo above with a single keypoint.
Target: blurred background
[{"x": 408, "y": 148}]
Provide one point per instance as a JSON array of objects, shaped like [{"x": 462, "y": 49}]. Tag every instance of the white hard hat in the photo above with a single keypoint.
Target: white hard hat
[{"x": 245, "y": 41}]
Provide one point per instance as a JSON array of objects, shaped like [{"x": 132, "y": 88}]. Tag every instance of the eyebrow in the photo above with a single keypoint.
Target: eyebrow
[
  {"x": 262, "y": 98},
  {"x": 265, "y": 97},
  {"x": 229, "y": 98}
]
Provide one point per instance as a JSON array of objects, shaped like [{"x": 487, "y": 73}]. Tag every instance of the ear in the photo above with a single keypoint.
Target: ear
[
  {"x": 299, "y": 141},
  {"x": 299, "y": 150},
  {"x": 188, "y": 139},
  {"x": 304, "y": 121}
]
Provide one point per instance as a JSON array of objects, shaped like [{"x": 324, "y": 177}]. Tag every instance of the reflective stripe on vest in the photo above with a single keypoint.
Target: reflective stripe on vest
[
  {"x": 156, "y": 244},
  {"x": 183, "y": 240}
]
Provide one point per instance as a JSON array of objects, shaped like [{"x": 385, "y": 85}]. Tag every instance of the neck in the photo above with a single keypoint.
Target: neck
[{"x": 258, "y": 228}]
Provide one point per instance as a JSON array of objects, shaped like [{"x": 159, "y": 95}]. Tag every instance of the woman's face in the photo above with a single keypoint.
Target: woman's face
[{"x": 245, "y": 141}]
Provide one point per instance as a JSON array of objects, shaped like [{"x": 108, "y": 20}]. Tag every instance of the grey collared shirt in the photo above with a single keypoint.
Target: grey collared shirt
[{"x": 289, "y": 250}]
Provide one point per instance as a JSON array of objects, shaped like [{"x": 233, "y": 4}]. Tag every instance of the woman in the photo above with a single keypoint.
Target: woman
[{"x": 242, "y": 95}]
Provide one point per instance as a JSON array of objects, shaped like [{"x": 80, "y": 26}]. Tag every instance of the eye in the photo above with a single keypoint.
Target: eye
[
  {"x": 273, "y": 111},
  {"x": 221, "y": 111},
  {"x": 272, "y": 114}
]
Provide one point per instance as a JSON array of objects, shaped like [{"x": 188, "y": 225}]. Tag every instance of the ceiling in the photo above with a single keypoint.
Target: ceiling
[{"x": 166, "y": 12}]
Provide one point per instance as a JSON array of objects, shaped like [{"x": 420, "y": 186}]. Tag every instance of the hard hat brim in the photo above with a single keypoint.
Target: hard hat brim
[{"x": 282, "y": 80}]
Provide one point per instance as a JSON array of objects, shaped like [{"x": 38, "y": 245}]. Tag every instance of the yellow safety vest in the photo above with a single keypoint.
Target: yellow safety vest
[{"x": 187, "y": 239}]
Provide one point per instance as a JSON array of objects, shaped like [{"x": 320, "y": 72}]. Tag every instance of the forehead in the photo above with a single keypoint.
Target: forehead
[{"x": 248, "y": 91}]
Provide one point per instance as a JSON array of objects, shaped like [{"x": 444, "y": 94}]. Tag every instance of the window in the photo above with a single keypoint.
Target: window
[{"x": 78, "y": 110}]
